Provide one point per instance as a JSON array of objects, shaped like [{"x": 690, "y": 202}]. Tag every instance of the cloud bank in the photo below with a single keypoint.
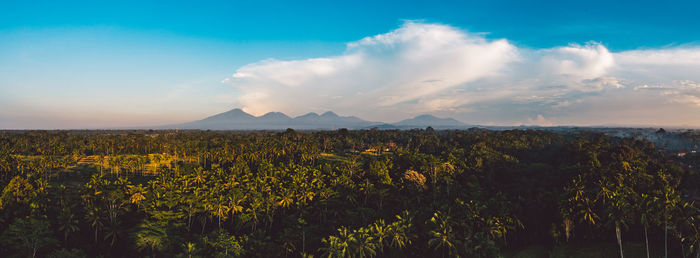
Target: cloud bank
[{"x": 438, "y": 69}]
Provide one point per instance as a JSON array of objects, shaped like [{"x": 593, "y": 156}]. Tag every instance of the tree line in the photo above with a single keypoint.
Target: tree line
[{"x": 344, "y": 193}]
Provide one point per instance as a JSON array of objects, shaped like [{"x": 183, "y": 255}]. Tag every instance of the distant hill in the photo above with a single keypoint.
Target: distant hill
[
  {"x": 424, "y": 121},
  {"x": 274, "y": 117},
  {"x": 238, "y": 119}
]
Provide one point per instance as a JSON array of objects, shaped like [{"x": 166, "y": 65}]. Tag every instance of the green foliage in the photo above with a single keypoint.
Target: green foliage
[
  {"x": 226, "y": 244},
  {"x": 471, "y": 193},
  {"x": 18, "y": 192},
  {"x": 371, "y": 240},
  {"x": 152, "y": 236},
  {"x": 29, "y": 236}
]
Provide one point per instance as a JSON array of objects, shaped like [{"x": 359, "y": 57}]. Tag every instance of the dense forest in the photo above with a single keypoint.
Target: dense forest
[{"x": 365, "y": 193}]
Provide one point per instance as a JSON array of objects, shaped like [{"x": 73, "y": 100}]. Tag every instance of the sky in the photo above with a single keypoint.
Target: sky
[{"x": 106, "y": 64}]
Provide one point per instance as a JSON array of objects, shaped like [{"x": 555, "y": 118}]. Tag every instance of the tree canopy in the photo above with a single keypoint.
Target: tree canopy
[{"x": 345, "y": 193}]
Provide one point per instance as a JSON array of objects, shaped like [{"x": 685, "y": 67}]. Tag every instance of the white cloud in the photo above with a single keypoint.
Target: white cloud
[
  {"x": 433, "y": 68},
  {"x": 580, "y": 62},
  {"x": 404, "y": 67},
  {"x": 540, "y": 121},
  {"x": 660, "y": 57}
]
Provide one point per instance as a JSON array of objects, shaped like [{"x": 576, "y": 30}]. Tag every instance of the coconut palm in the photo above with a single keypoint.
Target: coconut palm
[
  {"x": 94, "y": 217},
  {"x": 68, "y": 223},
  {"x": 219, "y": 209},
  {"x": 380, "y": 232},
  {"x": 364, "y": 243},
  {"x": 646, "y": 207},
  {"x": 152, "y": 236},
  {"x": 441, "y": 237}
]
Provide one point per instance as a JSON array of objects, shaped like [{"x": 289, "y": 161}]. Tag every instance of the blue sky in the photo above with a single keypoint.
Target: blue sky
[
  {"x": 91, "y": 64},
  {"x": 618, "y": 24}
]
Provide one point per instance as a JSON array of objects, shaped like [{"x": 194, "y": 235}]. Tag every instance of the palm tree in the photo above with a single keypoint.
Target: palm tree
[
  {"x": 193, "y": 201},
  {"x": 345, "y": 238},
  {"x": 68, "y": 224},
  {"x": 95, "y": 183},
  {"x": 670, "y": 200},
  {"x": 366, "y": 187},
  {"x": 219, "y": 209},
  {"x": 137, "y": 193},
  {"x": 151, "y": 235},
  {"x": 333, "y": 247},
  {"x": 113, "y": 231},
  {"x": 398, "y": 237},
  {"x": 94, "y": 217},
  {"x": 156, "y": 160},
  {"x": 363, "y": 244},
  {"x": 285, "y": 201},
  {"x": 618, "y": 208},
  {"x": 646, "y": 208},
  {"x": 190, "y": 248},
  {"x": 380, "y": 231},
  {"x": 254, "y": 207},
  {"x": 199, "y": 176},
  {"x": 234, "y": 204},
  {"x": 441, "y": 235},
  {"x": 694, "y": 236},
  {"x": 398, "y": 231}
]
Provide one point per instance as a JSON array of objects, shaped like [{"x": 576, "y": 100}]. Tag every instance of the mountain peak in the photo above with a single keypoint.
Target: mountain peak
[
  {"x": 237, "y": 119},
  {"x": 235, "y": 113},
  {"x": 329, "y": 114},
  {"x": 275, "y": 114},
  {"x": 427, "y": 116},
  {"x": 310, "y": 114},
  {"x": 273, "y": 117},
  {"x": 429, "y": 120}
]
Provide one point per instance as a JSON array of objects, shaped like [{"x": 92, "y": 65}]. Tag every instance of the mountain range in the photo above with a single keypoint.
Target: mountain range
[{"x": 237, "y": 119}]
